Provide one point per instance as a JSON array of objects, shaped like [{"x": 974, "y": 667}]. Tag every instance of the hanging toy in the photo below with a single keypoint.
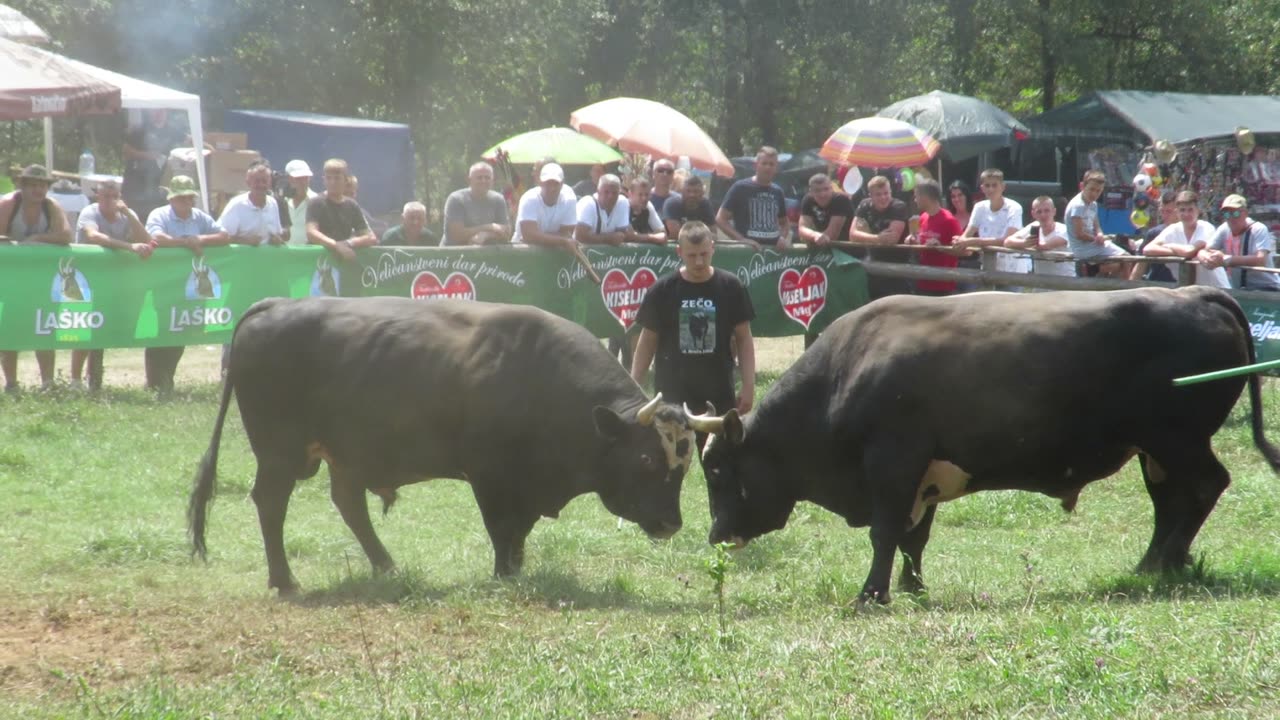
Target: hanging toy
[
  {"x": 1142, "y": 182},
  {"x": 1141, "y": 202},
  {"x": 1153, "y": 193},
  {"x": 1139, "y": 218},
  {"x": 1157, "y": 180},
  {"x": 1150, "y": 169}
]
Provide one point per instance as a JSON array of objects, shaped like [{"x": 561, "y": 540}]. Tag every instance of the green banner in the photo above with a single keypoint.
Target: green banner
[
  {"x": 1264, "y": 327},
  {"x": 89, "y": 297}
]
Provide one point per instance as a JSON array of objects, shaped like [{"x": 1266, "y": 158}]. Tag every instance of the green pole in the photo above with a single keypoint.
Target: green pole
[{"x": 1229, "y": 372}]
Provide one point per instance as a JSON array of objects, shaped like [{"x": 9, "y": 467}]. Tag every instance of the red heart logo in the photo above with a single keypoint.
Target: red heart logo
[
  {"x": 622, "y": 294},
  {"x": 427, "y": 286},
  {"x": 803, "y": 295}
]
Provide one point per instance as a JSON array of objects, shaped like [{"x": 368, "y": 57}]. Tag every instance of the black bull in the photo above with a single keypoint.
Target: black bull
[
  {"x": 528, "y": 408},
  {"x": 909, "y": 402}
]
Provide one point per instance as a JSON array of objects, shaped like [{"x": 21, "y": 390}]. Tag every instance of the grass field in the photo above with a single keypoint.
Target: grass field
[{"x": 1032, "y": 612}]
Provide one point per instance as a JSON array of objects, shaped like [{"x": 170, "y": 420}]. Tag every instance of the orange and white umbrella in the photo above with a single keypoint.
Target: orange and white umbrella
[
  {"x": 878, "y": 142},
  {"x": 636, "y": 125}
]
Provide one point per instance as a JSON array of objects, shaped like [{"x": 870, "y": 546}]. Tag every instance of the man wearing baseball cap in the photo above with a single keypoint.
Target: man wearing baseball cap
[
  {"x": 545, "y": 216},
  {"x": 1241, "y": 243},
  {"x": 300, "y": 192}
]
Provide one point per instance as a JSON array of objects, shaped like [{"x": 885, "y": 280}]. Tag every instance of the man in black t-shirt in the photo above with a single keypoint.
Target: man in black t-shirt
[
  {"x": 825, "y": 214},
  {"x": 335, "y": 220},
  {"x": 755, "y": 210},
  {"x": 691, "y": 204},
  {"x": 882, "y": 219},
  {"x": 689, "y": 320}
]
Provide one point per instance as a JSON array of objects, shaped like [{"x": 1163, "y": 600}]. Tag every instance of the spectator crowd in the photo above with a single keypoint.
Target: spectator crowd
[{"x": 139, "y": 215}]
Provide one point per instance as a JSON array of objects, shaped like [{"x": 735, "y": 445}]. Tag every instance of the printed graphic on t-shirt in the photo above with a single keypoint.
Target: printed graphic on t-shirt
[
  {"x": 763, "y": 214},
  {"x": 697, "y": 326}
]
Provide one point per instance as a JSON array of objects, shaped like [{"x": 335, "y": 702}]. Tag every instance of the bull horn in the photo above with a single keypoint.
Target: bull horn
[
  {"x": 644, "y": 415},
  {"x": 713, "y": 424}
]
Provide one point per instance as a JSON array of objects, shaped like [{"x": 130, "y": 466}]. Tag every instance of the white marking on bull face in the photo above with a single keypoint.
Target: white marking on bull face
[
  {"x": 943, "y": 481},
  {"x": 677, "y": 443}
]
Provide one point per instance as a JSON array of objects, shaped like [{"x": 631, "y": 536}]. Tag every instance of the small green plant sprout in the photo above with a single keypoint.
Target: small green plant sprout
[{"x": 718, "y": 567}]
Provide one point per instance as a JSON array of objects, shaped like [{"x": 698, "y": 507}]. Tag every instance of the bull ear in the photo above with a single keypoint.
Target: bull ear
[
  {"x": 609, "y": 424},
  {"x": 733, "y": 430}
]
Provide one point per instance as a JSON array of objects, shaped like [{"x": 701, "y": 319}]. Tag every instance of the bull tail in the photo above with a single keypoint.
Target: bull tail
[
  {"x": 206, "y": 479},
  {"x": 1268, "y": 449}
]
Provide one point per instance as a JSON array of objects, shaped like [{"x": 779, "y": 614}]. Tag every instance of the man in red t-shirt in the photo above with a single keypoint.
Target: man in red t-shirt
[{"x": 937, "y": 227}]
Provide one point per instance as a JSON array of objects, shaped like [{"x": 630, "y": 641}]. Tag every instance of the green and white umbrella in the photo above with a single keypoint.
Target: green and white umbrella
[{"x": 567, "y": 146}]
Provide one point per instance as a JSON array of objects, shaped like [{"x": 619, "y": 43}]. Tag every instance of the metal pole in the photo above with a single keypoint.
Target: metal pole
[{"x": 1229, "y": 372}]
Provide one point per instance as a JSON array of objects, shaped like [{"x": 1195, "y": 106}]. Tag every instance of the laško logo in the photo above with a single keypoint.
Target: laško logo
[
  {"x": 622, "y": 295},
  {"x": 69, "y": 286},
  {"x": 803, "y": 294},
  {"x": 203, "y": 283},
  {"x": 457, "y": 286}
]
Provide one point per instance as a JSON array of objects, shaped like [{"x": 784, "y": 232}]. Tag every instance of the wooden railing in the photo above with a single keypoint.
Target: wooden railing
[{"x": 988, "y": 278}]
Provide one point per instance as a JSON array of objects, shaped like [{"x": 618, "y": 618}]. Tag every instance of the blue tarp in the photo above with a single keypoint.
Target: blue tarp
[{"x": 379, "y": 153}]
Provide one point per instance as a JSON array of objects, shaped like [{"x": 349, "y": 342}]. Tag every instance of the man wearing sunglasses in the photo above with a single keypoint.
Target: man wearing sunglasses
[
  {"x": 664, "y": 171},
  {"x": 1241, "y": 243}
]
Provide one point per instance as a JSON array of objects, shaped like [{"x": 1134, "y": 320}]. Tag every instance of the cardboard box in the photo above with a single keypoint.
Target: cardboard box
[
  {"x": 227, "y": 169},
  {"x": 226, "y": 141}
]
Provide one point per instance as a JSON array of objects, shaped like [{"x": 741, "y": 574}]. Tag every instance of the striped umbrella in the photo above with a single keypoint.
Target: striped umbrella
[{"x": 878, "y": 142}]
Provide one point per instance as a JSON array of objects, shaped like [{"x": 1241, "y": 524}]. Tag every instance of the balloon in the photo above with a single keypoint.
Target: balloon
[
  {"x": 1141, "y": 202},
  {"x": 1150, "y": 169},
  {"x": 1157, "y": 180},
  {"x": 852, "y": 180},
  {"x": 1153, "y": 193},
  {"x": 1139, "y": 218},
  {"x": 1141, "y": 182},
  {"x": 908, "y": 179}
]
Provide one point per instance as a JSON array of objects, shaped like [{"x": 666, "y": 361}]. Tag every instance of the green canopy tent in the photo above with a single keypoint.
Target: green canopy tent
[{"x": 1140, "y": 118}]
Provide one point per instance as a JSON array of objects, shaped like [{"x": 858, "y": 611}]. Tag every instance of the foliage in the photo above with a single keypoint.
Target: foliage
[{"x": 785, "y": 72}]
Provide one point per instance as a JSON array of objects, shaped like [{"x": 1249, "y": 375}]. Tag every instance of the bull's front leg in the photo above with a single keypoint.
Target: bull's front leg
[
  {"x": 508, "y": 521},
  {"x": 892, "y": 478}
]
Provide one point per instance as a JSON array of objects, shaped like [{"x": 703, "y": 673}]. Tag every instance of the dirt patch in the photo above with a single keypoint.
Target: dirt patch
[{"x": 51, "y": 649}]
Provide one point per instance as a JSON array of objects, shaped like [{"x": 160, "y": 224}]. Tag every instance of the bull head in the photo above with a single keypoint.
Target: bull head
[
  {"x": 204, "y": 286},
  {"x": 328, "y": 285},
  {"x": 70, "y": 286}
]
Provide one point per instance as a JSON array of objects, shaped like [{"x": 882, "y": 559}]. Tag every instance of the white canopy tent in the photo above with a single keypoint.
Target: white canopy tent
[{"x": 141, "y": 95}]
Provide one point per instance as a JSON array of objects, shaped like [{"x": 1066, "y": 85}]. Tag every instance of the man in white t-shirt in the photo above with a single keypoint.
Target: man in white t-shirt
[
  {"x": 1187, "y": 238},
  {"x": 1044, "y": 235},
  {"x": 253, "y": 218},
  {"x": 603, "y": 218},
  {"x": 546, "y": 217},
  {"x": 1241, "y": 243},
  {"x": 993, "y": 221},
  {"x": 300, "y": 193}
]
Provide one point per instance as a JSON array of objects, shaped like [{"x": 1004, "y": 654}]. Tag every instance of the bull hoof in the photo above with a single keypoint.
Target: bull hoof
[
  {"x": 911, "y": 584},
  {"x": 879, "y": 597},
  {"x": 287, "y": 592}
]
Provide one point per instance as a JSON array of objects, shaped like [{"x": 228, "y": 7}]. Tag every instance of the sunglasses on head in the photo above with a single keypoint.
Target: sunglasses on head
[
  {"x": 664, "y": 170},
  {"x": 1233, "y": 212}
]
